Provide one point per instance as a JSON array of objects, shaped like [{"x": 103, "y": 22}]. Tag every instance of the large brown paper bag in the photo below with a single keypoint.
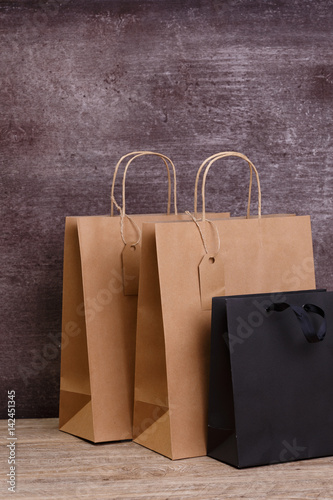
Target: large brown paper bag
[
  {"x": 100, "y": 283},
  {"x": 182, "y": 266}
]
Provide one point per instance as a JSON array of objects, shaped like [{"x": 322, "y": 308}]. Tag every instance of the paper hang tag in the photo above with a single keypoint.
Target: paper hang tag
[
  {"x": 211, "y": 279},
  {"x": 130, "y": 258}
]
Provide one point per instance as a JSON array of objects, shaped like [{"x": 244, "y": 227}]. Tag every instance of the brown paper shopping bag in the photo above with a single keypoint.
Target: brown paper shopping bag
[
  {"x": 100, "y": 283},
  {"x": 193, "y": 261}
]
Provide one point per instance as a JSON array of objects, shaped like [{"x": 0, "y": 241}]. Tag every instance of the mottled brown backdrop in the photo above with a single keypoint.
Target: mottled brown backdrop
[{"x": 84, "y": 82}]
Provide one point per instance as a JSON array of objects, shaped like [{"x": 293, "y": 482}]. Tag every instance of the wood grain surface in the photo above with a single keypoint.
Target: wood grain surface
[
  {"x": 84, "y": 82},
  {"x": 52, "y": 464}
]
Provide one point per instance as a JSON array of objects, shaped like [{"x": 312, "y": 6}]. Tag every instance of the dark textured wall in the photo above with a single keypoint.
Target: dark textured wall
[{"x": 84, "y": 82}]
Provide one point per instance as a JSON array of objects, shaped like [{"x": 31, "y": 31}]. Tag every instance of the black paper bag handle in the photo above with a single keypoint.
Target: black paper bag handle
[{"x": 303, "y": 317}]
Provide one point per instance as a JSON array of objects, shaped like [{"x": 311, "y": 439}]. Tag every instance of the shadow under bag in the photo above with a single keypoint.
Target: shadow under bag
[{"x": 271, "y": 373}]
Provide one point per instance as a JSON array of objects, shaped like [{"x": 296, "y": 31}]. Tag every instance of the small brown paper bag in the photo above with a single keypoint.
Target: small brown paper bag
[{"x": 183, "y": 265}]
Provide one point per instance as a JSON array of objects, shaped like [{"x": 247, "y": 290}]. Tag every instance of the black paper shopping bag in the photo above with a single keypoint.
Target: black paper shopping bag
[{"x": 271, "y": 378}]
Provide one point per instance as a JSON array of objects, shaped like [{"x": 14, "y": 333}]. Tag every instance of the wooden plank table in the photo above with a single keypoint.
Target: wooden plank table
[{"x": 52, "y": 464}]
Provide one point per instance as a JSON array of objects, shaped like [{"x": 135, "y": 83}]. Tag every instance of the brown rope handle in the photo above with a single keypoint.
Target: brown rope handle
[
  {"x": 224, "y": 155},
  {"x": 142, "y": 153},
  {"x": 216, "y": 156},
  {"x": 165, "y": 159}
]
